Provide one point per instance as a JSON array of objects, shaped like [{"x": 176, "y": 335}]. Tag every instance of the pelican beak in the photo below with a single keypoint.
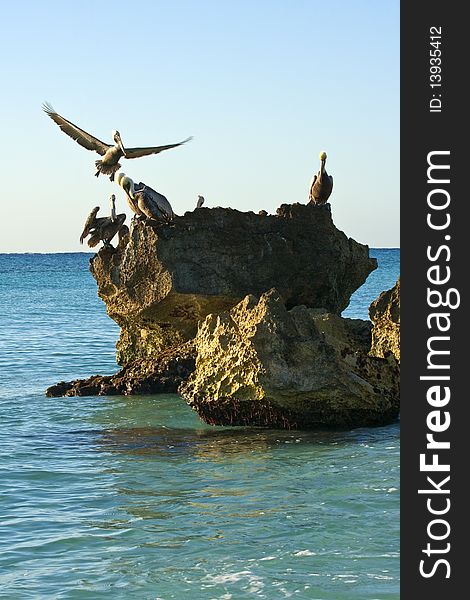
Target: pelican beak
[
  {"x": 121, "y": 145},
  {"x": 127, "y": 187}
]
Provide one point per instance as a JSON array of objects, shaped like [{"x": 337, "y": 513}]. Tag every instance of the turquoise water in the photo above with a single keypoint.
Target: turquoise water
[{"x": 133, "y": 497}]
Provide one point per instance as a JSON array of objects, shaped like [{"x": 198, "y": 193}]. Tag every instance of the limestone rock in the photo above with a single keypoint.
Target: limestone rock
[
  {"x": 262, "y": 364},
  {"x": 161, "y": 280},
  {"x": 385, "y": 315}
]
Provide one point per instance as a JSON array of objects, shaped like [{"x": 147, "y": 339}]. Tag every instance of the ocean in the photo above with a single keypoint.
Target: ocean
[{"x": 134, "y": 497}]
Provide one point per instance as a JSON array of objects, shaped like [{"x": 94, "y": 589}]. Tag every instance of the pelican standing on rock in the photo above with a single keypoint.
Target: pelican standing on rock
[
  {"x": 111, "y": 154},
  {"x": 93, "y": 222},
  {"x": 200, "y": 201},
  {"x": 144, "y": 201},
  {"x": 102, "y": 228},
  {"x": 106, "y": 231},
  {"x": 321, "y": 185}
]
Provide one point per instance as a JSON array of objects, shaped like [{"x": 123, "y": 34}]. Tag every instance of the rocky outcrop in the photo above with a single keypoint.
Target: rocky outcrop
[
  {"x": 166, "y": 279},
  {"x": 262, "y": 364},
  {"x": 196, "y": 318},
  {"x": 161, "y": 375},
  {"x": 385, "y": 315}
]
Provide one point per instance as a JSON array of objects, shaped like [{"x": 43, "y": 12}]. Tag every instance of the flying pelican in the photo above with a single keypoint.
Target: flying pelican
[
  {"x": 321, "y": 185},
  {"x": 200, "y": 201},
  {"x": 102, "y": 228},
  {"x": 111, "y": 154},
  {"x": 144, "y": 201}
]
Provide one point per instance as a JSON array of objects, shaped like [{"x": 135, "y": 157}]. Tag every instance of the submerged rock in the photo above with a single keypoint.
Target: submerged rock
[
  {"x": 262, "y": 364},
  {"x": 165, "y": 279},
  {"x": 385, "y": 315},
  {"x": 161, "y": 375}
]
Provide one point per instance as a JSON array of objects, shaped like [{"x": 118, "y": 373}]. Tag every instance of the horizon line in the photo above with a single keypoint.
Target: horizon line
[{"x": 89, "y": 252}]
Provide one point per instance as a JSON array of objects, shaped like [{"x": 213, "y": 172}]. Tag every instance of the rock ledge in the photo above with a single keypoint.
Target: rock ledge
[{"x": 265, "y": 365}]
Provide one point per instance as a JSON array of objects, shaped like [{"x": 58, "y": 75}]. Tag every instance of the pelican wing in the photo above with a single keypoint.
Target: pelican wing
[
  {"x": 100, "y": 230},
  {"x": 158, "y": 200},
  {"x": 89, "y": 223},
  {"x": 312, "y": 183},
  {"x": 138, "y": 152},
  {"x": 94, "y": 239},
  {"x": 83, "y": 138}
]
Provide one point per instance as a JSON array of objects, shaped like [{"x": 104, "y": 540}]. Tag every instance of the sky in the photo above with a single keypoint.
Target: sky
[{"x": 262, "y": 85}]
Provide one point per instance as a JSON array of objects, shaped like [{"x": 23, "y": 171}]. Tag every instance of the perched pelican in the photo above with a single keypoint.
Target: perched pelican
[
  {"x": 145, "y": 201},
  {"x": 102, "y": 228},
  {"x": 129, "y": 188},
  {"x": 321, "y": 185},
  {"x": 109, "y": 164},
  {"x": 106, "y": 231},
  {"x": 200, "y": 201},
  {"x": 93, "y": 221}
]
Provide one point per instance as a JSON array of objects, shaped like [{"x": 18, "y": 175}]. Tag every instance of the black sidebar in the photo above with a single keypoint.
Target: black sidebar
[{"x": 435, "y": 334}]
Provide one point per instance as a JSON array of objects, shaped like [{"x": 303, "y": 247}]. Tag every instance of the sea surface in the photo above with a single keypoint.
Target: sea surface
[{"x": 134, "y": 497}]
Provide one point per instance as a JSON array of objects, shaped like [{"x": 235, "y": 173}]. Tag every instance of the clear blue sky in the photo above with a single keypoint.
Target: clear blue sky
[{"x": 263, "y": 86}]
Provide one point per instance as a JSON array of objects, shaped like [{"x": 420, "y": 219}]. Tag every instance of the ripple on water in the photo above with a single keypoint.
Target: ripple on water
[{"x": 136, "y": 498}]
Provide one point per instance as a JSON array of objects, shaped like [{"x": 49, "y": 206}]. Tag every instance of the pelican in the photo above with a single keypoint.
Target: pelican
[
  {"x": 106, "y": 231},
  {"x": 93, "y": 221},
  {"x": 200, "y": 201},
  {"x": 128, "y": 186},
  {"x": 144, "y": 201},
  {"x": 111, "y": 154},
  {"x": 102, "y": 228},
  {"x": 321, "y": 185}
]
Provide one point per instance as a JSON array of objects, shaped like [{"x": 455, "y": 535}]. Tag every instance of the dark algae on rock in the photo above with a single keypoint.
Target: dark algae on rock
[
  {"x": 239, "y": 313},
  {"x": 161, "y": 375}
]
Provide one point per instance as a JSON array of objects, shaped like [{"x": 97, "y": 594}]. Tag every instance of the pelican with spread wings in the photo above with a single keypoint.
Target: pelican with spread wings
[
  {"x": 103, "y": 228},
  {"x": 111, "y": 154}
]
